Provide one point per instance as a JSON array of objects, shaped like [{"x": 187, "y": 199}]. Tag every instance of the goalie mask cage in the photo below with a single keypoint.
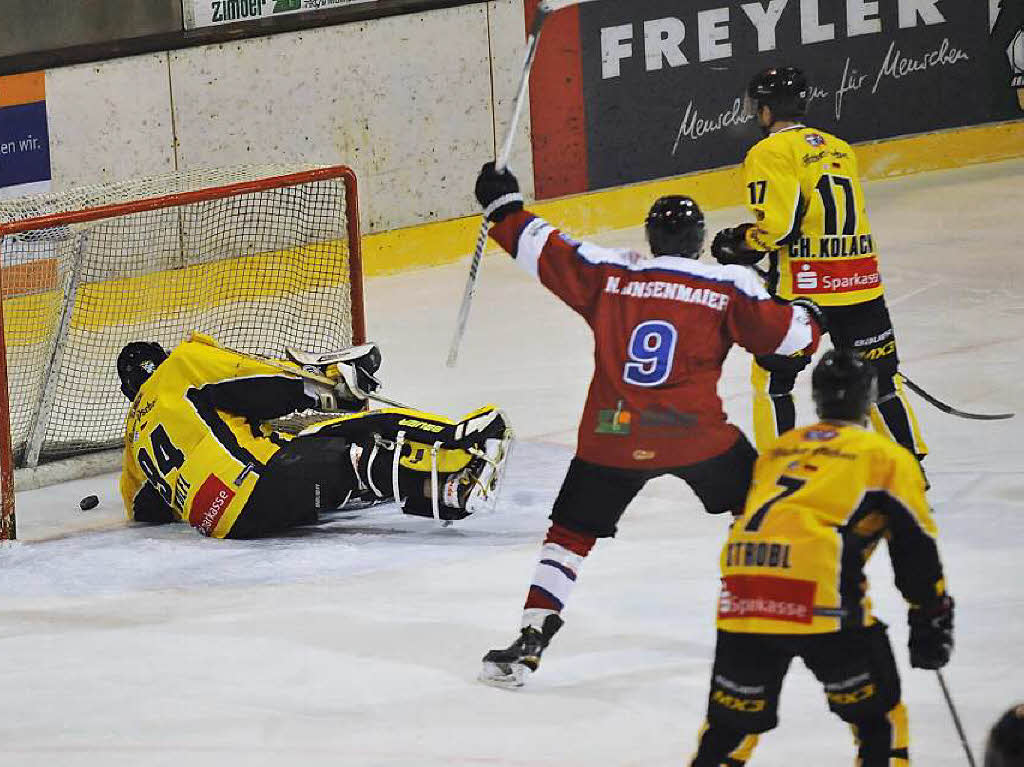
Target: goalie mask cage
[{"x": 259, "y": 257}]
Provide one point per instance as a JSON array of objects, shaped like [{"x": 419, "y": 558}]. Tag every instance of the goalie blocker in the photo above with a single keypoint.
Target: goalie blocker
[{"x": 198, "y": 447}]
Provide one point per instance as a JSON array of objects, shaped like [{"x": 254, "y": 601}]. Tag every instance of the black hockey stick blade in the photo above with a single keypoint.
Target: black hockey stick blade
[{"x": 952, "y": 410}]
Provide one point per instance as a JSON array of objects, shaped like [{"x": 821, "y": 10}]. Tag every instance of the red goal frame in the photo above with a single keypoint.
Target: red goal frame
[{"x": 8, "y": 523}]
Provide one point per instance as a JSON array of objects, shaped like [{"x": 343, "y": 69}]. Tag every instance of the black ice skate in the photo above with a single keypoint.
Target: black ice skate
[{"x": 510, "y": 667}]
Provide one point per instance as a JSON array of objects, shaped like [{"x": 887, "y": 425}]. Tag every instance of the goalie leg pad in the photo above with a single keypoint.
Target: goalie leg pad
[{"x": 489, "y": 464}]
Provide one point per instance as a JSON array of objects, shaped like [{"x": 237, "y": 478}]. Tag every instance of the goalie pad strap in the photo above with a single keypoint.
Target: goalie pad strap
[
  {"x": 369, "y": 471},
  {"x": 433, "y": 481},
  {"x": 399, "y": 442}
]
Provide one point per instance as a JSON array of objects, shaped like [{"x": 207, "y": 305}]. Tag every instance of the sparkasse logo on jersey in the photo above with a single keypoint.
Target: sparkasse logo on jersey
[{"x": 209, "y": 504}]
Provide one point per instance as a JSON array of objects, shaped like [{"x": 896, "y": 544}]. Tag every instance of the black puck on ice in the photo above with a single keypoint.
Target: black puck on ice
[{"x": 89, "y": 502}]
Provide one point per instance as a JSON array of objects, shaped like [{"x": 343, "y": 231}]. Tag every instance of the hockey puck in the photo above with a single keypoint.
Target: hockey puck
[{"x": 89, "y": 502}]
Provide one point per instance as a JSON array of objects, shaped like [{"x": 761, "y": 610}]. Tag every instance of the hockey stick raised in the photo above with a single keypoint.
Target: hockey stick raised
[
  {"x": 956, "y": 718},
  {"x": 952, "y": 410},
  {"x": 544, "y": 10}
]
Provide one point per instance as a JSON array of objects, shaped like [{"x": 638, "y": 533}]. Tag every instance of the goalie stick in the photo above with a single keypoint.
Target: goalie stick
[
  {"x": 949, "y": 408},
  {"x": 545, "y": 9}
]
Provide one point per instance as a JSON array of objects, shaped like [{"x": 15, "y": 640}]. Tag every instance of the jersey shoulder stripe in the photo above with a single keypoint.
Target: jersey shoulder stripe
[
  {"x": 742, "y": 278},
  {"x": 535, "y": 234}
]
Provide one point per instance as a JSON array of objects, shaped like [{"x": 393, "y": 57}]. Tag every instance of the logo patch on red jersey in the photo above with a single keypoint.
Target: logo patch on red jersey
[
  {"x": 845, "y": 276},
  {"x": 615, "y": 421},
  {"x": 766, "y": 596},
  {"x": 208, "y": 505}
]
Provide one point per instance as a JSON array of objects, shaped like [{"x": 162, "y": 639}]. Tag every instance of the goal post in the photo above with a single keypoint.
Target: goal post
[{"x": 260, "y": 257}]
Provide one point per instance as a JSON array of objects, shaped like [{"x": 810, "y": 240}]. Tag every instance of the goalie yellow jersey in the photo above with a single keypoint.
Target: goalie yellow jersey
[
  {"x": 194, "y": 444},
  {"x": 803, "y": 186},
  {"x": 822, "y": 498}
]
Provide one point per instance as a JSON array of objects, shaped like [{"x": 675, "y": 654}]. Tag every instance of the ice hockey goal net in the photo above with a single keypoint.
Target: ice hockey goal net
[{"x": 260, "y": 257}]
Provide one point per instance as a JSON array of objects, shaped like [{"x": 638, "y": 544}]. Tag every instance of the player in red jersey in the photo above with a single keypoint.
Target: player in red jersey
[{"x": 662, "y": 327}]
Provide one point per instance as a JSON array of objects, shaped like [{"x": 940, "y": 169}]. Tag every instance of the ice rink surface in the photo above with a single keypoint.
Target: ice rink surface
[{"x": 358, "y": 643}]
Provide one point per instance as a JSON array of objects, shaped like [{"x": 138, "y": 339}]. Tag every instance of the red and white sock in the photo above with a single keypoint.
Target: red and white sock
[{"x": 560, "y": 559}]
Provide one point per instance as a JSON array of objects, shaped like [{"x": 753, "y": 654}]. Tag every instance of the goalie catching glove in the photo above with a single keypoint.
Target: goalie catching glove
[
  {"x": 497, "y": 193},
  {"x": 352, "y": 368}
]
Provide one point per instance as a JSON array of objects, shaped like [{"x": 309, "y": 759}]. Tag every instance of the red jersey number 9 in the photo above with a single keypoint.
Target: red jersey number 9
[{"x": 652, "y": 347}]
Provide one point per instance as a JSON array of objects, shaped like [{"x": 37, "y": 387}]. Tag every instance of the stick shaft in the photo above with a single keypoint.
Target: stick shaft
[
  {"x": 500, "y": 163},
  {"x": 956, "y": 718},
  {"x": 467, "y": 296}
]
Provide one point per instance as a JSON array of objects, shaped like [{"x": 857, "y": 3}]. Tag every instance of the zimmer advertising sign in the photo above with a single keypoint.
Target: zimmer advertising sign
[
  {"x": 660, "y": 82},
  {"x": 205, "y": 13}
]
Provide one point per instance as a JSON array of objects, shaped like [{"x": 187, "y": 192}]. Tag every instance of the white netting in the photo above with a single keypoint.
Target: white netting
[{"x": 259, "y": 271}]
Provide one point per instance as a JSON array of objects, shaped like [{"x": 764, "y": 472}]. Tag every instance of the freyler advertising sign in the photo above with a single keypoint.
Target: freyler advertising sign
[
  {"x": 661, "y": 81},
  {"x": 205, "y": 13}
]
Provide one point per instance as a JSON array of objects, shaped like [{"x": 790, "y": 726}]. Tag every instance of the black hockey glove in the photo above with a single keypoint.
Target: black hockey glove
[
  {"x": 781, "y": 363},
  {"x": 497, "y": 193},
  {"x": 816, "y": 312},
  {"x": 730, "y": 247},
  {"x": 931, "y": 633}
]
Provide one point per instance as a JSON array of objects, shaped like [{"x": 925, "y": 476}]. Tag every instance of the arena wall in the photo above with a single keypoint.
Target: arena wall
[{"x": 414, "y": 103}]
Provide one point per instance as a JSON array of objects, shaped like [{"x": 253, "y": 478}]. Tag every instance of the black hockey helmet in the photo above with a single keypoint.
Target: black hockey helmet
[
  {"x": 136, "y": 363},
  {"x": 784, "y": 90},
  {"x": 1005, "y": 747},
  {"x": 675, "y": 226},
  {"x": 843, "y": 386}
]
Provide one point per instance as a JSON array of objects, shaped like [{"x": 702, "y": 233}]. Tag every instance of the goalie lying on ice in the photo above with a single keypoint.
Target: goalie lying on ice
[{"x": 198, "y": 448}]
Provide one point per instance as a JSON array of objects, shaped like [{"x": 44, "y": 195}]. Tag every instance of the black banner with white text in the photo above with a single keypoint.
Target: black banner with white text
[{"x": 662, "y": 81}]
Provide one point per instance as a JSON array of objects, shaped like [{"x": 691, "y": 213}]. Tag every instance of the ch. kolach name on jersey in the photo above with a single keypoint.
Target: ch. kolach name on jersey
[{"x": 835, "y": 246}]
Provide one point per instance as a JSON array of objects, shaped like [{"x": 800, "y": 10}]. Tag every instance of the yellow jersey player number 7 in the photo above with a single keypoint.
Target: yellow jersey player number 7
[{"x": 793, "y": 585}]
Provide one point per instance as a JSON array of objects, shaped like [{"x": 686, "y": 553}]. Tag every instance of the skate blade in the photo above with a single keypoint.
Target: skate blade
[{"x": 508, "y": 676}]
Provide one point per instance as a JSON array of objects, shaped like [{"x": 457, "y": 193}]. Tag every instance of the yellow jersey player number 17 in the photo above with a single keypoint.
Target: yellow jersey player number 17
[{"x": 811, "y": 223}]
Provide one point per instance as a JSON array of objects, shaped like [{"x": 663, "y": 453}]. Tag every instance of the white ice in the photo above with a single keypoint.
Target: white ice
[{"x": 358, "y": 643}]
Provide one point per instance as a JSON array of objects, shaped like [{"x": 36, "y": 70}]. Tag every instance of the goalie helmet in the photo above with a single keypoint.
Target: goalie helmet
[
  {"x": 784, "y": 90},
  {"x": 675, "y": 227},
  {"x": 843, "y": 386},
  {"x": 136, "y": 363}
]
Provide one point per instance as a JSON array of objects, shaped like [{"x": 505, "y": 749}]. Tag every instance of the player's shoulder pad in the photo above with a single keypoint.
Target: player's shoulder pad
[
  {"x": 887, "y": 451},
  {"x": 832, "y": 138},
  {"x": 745, "y": 279},
  {"x": 598, "y": 254},
  {"x": 775, "y": 145}
]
